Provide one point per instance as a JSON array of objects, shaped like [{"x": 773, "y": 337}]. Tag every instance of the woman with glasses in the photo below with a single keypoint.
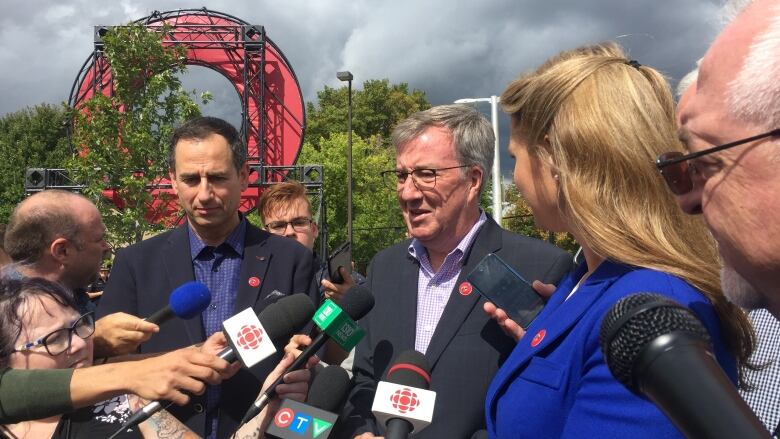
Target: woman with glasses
[
  {"x": 40, "y": 328},
  {"x": 586, "y": 128}
]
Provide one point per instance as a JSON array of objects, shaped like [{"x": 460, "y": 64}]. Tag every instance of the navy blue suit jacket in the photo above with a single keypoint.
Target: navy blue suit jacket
[
  {"x": 559, "y": 385},
  {"x": 144, "y": 275},
  {"x": 467, "y": 347}
]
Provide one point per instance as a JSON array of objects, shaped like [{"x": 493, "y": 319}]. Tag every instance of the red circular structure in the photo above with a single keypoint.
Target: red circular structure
[{"x": 271, "y": 99}]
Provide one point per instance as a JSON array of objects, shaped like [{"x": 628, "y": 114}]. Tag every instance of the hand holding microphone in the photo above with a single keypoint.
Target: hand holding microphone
[
  {"x": 120, "y": 333},
  {"x": 338, "y": 324},
  {"x": 275, "y": 323}
]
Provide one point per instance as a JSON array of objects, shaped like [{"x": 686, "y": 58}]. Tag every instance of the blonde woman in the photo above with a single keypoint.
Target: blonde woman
[{"x": 586, "y": 127}]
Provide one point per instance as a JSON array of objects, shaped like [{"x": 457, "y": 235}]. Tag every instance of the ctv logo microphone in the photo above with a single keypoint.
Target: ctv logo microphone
[
  {"x": 246, "y": 336},
  {"x": 297, "y": 420}
]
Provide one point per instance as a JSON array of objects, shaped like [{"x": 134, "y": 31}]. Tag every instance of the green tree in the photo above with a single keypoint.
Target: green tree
[
  {"x": 376, "y": 109},
  {"x": 377, "y": 221},
  {"x": 122, "y": 138},
  {"x": 30, "y": 138},
  {"x": 520, "y": 219}
]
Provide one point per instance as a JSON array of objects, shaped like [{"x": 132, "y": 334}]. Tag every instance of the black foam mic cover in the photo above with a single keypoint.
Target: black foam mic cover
[
  {"x": 329, "y": 389},
  {"x": 357, "y": 302},
  {"x": 660, "y": 349}
]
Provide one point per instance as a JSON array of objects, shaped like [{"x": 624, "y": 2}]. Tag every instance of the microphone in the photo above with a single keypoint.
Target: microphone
[
  {"x": 337, "y": 323},
  {"x": 657, "y": 347},
  {"x": 279, "y": 319},
  {"x": 403, "y": 402},
  {"x": 185, "y": 302},
  {"x": 327, "y": 394}
]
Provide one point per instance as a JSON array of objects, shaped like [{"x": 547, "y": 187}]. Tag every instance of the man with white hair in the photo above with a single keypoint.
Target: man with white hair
[
  {"x": 761, "y": 395},
  {"x": 730, "y": 125}
]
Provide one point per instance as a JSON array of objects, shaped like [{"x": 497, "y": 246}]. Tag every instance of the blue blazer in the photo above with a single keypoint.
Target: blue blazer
[
  {"x": 145, "y": 274},
  {"x": 562, "y": 387}
]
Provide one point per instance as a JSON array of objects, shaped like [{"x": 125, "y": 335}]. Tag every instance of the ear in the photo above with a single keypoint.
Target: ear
[
  {"x": 243, "y": 176},
  {"x": 475, "y": 177},
  {"x": 172, "y": 177},
  {"x": 314, "y": 228},
  {"x": 59, "y": 249}
]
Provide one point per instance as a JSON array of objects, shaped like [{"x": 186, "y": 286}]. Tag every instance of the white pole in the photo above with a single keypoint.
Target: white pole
[{"x": 497, "y": 211}]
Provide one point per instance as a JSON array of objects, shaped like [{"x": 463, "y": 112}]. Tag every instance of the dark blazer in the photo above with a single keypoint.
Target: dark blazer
[
  {"x": 556, "y": 383},
  {"x": 467, "y": 347},
  {"x": 144, "y": 275}
]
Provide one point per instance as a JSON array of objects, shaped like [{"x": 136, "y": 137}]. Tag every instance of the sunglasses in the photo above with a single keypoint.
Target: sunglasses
[{"x": 678, "y": 172}]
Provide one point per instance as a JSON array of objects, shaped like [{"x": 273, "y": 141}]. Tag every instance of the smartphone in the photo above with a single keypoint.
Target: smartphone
[
  {"x": 499, "y": 283},
  {"x": 341, "y": 257}
]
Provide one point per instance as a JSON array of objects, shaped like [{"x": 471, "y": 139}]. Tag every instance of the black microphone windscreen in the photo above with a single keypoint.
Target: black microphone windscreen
[
  {"x": 357, "y": 302},
  {"x": 636, "y": 320},
  {"x": 329, "y": 389},
  {"x": 410, "y": 368},
  {"x": 287, "y": 315}
]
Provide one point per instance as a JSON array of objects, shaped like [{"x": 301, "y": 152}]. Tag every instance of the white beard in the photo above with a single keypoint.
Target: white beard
[{"x": 739, "y": 291}]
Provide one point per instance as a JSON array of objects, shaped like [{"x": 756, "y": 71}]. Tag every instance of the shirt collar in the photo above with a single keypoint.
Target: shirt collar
[
  {"x": 418, "y": 251},
  {"x": 235, "y": 240}
]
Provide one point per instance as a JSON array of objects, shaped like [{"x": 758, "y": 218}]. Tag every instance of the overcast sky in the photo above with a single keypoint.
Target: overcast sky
[{"x": 449, "y": 49}]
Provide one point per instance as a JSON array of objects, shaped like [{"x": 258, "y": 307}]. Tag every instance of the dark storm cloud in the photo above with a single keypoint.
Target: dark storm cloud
[{"x": 450, "y": 49}]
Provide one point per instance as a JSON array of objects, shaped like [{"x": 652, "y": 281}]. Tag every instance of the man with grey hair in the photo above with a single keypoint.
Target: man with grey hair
[{"x": 443, "y": 161}]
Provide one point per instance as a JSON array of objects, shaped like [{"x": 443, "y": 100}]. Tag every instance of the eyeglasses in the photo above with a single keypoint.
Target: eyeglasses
[
  {"x": 678, "y": 172},
  {"x": 58, "y": 341},
  {"x": 423, "y": 178},
  {"x": 300, "y": 224}
]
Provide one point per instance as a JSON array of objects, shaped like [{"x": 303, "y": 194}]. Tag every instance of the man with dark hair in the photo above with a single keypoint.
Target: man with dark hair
[
  {"x": 242, "y": 265},
  {"x": 443, "y": 159}
]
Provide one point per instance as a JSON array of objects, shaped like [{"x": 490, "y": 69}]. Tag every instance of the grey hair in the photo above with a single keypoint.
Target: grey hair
[
  {"x": 687, "y": 81},
  {"x": 754, "y": 93},
  {"x": 472, "y": 134}
]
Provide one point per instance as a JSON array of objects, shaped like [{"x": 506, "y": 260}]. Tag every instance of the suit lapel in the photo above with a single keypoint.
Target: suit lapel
[
  {"x": 255, "y": 264},
  {"x": 459, "y": 306},
  {"x": 178, "y": 265}
]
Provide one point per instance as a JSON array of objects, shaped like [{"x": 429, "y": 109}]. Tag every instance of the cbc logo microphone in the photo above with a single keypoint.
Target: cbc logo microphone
[
  {"x": 249, "y": 337},
  {"x": 404, "y": 400}
]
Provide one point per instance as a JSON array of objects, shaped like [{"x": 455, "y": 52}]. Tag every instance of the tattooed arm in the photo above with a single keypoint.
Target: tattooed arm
[
  {"x": 161, "y": 425},
  {"x": 295, "y": 386}
]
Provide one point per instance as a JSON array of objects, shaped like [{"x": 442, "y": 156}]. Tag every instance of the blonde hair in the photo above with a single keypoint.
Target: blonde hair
[{"x": 600, "y": 121}]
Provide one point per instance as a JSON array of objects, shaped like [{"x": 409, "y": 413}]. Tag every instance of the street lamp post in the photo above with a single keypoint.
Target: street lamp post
[
  {"x": 347, "y": 76},
  {"x": 494, "y": 100}
]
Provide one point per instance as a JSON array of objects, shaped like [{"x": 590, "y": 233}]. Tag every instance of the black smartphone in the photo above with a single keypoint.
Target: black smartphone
[
  {"x": 499, "y": 283},
  {"x": 341, "y": 257}
]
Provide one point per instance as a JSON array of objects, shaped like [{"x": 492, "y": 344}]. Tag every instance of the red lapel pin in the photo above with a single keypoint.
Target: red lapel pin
[
  {"x": 465, "y": 289},
  {"x": 254, "y": 281},
  {"x": 538, "y": 338}
]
